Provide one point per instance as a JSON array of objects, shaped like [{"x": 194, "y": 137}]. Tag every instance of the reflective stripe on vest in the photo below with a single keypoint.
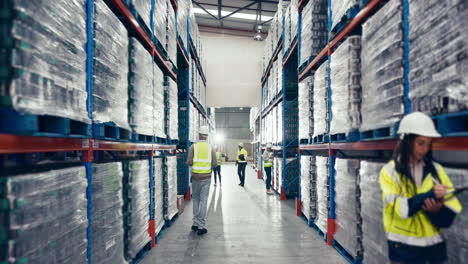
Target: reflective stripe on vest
[
  {"x": 218, "y": 158},
  {"x": 201, "y": 158}
]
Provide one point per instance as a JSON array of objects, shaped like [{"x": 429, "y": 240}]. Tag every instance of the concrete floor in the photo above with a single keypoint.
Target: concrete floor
[{"x": 244, "y": 226}]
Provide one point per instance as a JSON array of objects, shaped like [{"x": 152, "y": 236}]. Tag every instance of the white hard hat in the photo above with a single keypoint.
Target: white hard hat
[
  {"x": 419, "y": 124},
  {"x": 241, "y": 145},
  {"x": 204, "y": 130},
  {"x": 268, "y": 145}
]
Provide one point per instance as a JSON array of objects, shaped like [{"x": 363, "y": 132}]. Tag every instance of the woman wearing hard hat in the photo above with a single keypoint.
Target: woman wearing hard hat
[{"x": 414, "y": 188}]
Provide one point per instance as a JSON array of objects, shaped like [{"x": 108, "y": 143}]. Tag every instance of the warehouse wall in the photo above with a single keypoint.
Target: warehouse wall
[
  {"x": 233, "y": 124},
  {"x": 233, "y": 64}
]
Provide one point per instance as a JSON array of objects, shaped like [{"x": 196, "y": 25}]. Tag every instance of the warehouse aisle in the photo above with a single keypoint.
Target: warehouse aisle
[{"x": 244, "y": 226}]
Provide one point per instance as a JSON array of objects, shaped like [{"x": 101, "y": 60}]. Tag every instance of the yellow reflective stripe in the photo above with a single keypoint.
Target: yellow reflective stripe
[
  {"x": 415, "y": 241},
  {"x": 453, "y": 204}
]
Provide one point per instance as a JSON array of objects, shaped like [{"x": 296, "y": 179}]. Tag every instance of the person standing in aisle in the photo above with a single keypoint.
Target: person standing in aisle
[
  {"x": 267, "y": 165},
  {"x": 241, "y": 163},
  {"x": 202, "y": 158},
  {"x": 416, "y": 199},
  {"x": 217, "y": 170}
]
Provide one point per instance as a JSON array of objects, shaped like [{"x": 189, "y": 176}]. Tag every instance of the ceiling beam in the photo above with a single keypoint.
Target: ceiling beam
[
  {"x": 234, "y": 7},
  {"x": 206, "y": 11},
  {"x": 238, "y": 10}
]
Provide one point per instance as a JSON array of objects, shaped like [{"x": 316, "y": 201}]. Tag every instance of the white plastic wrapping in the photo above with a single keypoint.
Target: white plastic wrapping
[
  {"x": 457, "y": 235},
  {"x": 382, "y": 71},
  {"x": 158, "y": 194},
  {"x": 170, "y": 188},
  {"x": 314, "y": 32},
  {"x": 438, "y": 62},
  {"x": 339, "y": 9},
  {"x": 43, "y": 58},
  {"x": 294, "y": 19},
  {"x": 136, "y": 207},
  {"x": 173, "y": 132},
  {"x": 345, "y": 67},
  {"x": 306, "y": 186},
  {"x": 41, "y": 210},
  {"x": 323, "y": 193},
  {"x": 171, "y": 41},
  {"x": 374, "y": 241},
  {"x": 107, "y": 231},
  {"x": 305, "y": 114},
  {"x": 143, "y": 7},
  {"x": 321, "y": 100},
  {"x": 182, "y": 18},
  {"x": 287, "y": 28},
  {"x": 158, "y": 102},
  {"x": 160, "y": 20},
  {"x": 279, "y": 123},
  {"x": 110, "y": 89},
  {"x": 348, "y": 206}
]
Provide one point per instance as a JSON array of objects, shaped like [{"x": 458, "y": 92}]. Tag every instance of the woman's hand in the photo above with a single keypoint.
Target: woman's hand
[
  {"x": 432, "y": 206},
  {"x": 440, "y": 190}
]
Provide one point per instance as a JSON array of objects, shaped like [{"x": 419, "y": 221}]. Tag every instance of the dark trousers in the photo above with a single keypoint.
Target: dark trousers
[
  {"x": 217, "y": 171},
  {"x": 268, "y": 179},
  {"x": 241, "y": 172}
]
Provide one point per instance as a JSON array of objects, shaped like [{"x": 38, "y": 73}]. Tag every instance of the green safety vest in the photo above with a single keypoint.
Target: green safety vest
[
  {"x": 242, "y": 152},
  {"x": 201, "y": 158},
  {"x": 218, "y": 158},
  {"x": 268, "y": 162}
]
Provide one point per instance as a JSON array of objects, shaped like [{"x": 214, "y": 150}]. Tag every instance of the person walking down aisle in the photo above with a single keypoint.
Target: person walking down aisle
[
  {"x": 202, "y": 158},
  {"x": 415, "y": 201},
  {"x": 267, "y": 165},
  {"x": 217, "y": 170},
  {"x": 241, "y": 163}
]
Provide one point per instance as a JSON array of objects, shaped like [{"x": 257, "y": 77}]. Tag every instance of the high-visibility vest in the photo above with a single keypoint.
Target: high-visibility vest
[
  {"x": 242, "y": 152},
  {"x": 201, "y": 158},
  {"x": 415, "y": 230},
  {"x": 268, "y": 162},
  {"x": 218, "y": 158}
]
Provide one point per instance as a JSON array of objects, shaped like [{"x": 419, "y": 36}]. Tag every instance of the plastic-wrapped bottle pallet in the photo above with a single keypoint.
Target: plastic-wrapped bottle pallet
[
  {"x": 110, "y": 89},
  {"x": 382, "y": 71},
  {"x": 158, "y": 102},
  {"x": 345, "y": 67},
  {"x": 279, "y": 122},
  {"x": 136, "y": 206},
  {"x": 36, "y": 78},
  {"x": 305, "y": 114},
  {"x": 438, "y": 62},
  {"x": 323, "y": 193},
  {"x": 457, "y": 235},
  {"x": 374, "y": 241},
  {"x": 314, "y": 32},
  {"x": 173, "y": 132},
  {"x": 160, "y": 20},
  {"x": 313, "y": 187},
  {"x": 171, "y": 41},
  {"x": 143, "y": 8},
  {"x": 277, "y": 171},
  {"x": 140, "y": 82},
  {"x": 320, "y": 100},
  {"x": 107, "y": 231},
  {"x": 44, "y": 220},
  {"x": 305, "y": 186},
  {"x": 170, "y": 188},
  {"x": 348, "y": 208},
  {"x": 339, "y": 8},
  {"x": 182, "y": 16},
  {"x": 158, "y": 194},
  {"x": 287, "y": 28},
  {"x": 294, "y": 19}
]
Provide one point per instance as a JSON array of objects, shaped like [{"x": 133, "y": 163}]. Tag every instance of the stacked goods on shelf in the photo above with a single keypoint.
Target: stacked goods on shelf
[
  {"x": 314, "y": 29},
  {"x": 173, "y": 131},
  {"x": 160, "y": 20},
  {"x": 348, "y": 207},
  {"x": 306, "y": 186},
  {"x": 382, "y": 72},
  {"x": 438, "y": 61},
  {"x": 345, "y": 76},
  {"x": 182, "y": 176},
  {"x": 291, "y": 177},
  {"x": 143, "y": 8},
  {"x": 313, "y": 187},
  {"x": 110, "y": 88},
  {"x": 43, "y": 58},
  {"x": 323, "y": 193},
  {"x": 183, "y": 116},
  {"x": 171, "y": 34},
  {"x": 158, "y": 194},
  {"x": 294, "y": 19},
  {"x": 279, "y": 123},
  {"x": 170, "y": 188},
  {"x": 182, "y": 16},
  {"x": 136, "y": 206},
  {"x": 305, "y": 115},
  {"x": 277, "y": 161},
  {"x": 140, "y": 89},
  {"x": 457, "y": 235},
  {"x": 107, "y": 231},
  {"x": 374, "y": 240},
  {"x": 340, "y": 10},
  {"x": 287, "y": 28},
  {"x": 320, "y": 100},
  {"x": 44, "y": 217},
  {"x": 158, "y": 102}
]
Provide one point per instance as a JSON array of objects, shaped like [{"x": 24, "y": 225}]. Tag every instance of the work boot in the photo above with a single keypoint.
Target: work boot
[
  {"x": 194, "y": 228},
  {"x": 202, "y": 231}
]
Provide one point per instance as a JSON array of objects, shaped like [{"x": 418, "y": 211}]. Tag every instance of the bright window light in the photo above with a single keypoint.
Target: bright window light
[{"x": 236, "y": 15}]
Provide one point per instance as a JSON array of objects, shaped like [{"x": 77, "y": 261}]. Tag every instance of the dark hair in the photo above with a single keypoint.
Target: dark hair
[{"x": 402, "y": 155}]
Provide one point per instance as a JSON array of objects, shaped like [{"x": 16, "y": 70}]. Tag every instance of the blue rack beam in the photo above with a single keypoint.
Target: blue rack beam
[
  {"x": 183, "y": 52},
  {"x": 272, "y": 105},
  {"x": 291, "y": 51}
]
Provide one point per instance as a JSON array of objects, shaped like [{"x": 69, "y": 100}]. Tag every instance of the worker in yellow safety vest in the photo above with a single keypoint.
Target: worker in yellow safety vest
[
  {"x": 267, "y": 165},
  {"x": 202, "y": 159},
  {"x": 241, "y": 163},
  {"x": 416, "y": 196},
  {"x": 217, "y": 170}
]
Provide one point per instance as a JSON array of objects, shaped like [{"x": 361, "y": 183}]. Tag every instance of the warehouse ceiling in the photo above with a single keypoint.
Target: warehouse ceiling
[{"x": 237, "y": 15}]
